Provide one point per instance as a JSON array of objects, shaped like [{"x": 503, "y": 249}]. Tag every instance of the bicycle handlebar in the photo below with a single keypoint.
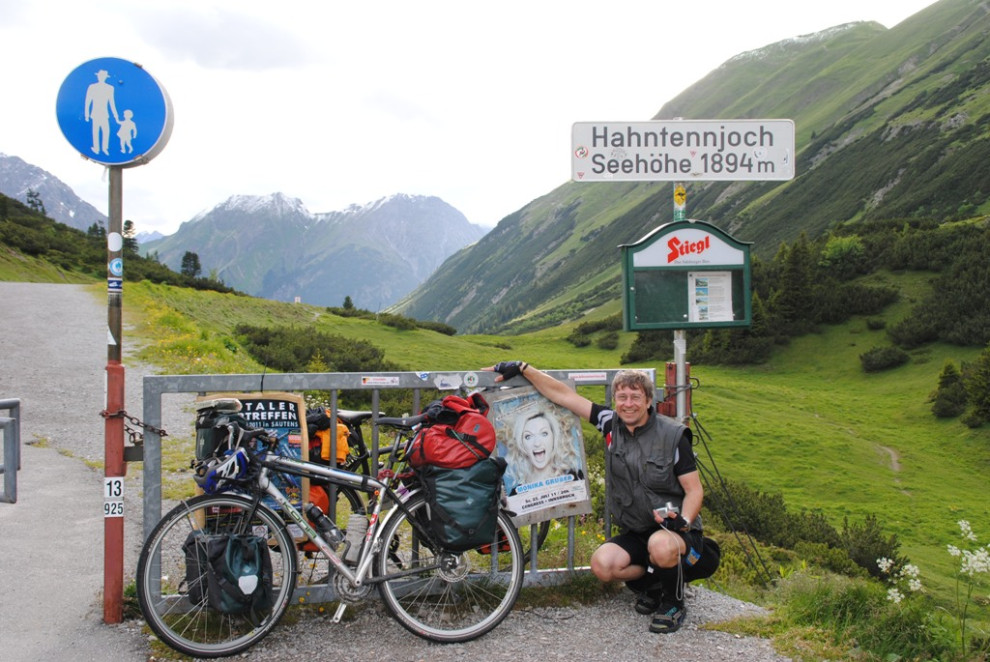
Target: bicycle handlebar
[{"x": 245, "y": 435}]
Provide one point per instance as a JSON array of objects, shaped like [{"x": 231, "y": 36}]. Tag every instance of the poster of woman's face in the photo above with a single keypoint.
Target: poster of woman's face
[{"x": 543, "y": 447}]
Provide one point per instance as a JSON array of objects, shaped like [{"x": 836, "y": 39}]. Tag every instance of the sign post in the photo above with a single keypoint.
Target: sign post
[
  {"x": 92, "y": 95},
  {"x": 687, "y": 273}
]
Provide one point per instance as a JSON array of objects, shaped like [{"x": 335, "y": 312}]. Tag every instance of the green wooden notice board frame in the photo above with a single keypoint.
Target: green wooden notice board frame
[{"x": 686, "y": 274}]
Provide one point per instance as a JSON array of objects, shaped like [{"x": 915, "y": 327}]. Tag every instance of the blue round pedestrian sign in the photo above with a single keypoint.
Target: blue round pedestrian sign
[{"x": 114, "y": 112}]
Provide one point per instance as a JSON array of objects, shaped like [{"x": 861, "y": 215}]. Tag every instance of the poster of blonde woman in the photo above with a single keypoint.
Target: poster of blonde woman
[{"x": 544, "y": 449}]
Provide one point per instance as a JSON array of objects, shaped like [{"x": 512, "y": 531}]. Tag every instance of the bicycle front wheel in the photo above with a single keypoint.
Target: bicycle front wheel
[
  {"x": 171, "y": 579},
  {"x": 448, "y": 596}
]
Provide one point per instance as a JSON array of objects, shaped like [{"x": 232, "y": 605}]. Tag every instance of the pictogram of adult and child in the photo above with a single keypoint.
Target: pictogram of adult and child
[{"x": 99, "y": 107}]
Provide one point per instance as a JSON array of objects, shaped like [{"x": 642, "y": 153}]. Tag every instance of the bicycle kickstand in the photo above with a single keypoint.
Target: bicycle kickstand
[{"x": 339, "y": 614}]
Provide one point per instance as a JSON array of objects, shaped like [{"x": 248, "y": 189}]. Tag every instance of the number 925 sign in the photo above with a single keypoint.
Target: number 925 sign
[{"x": 113, "y": 496}]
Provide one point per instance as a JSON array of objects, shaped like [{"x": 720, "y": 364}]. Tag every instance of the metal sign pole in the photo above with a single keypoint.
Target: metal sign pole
[
  {"x": 680, "y": 337},
  {"x": 87, "y": 101},
  {"x": 680, "y": 361},
  {"x": 115, "y": 467}
]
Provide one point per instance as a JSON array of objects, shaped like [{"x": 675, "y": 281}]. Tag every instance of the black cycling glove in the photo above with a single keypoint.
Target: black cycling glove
[
  {"x": 677, "y": 523},
  {"x": 508, "y": 369}
]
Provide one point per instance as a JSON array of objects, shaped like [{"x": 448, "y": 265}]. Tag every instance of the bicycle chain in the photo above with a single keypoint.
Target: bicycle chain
[{"x": 132, "y": 425}]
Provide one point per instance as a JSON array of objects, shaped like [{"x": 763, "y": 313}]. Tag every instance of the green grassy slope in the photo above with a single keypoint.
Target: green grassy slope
[
  {"x": 810, "y": 423},
  {"x": 17, "y": 267}
]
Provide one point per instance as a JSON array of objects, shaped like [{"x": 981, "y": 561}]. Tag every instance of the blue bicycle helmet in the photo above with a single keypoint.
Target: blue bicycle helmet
[{"x": 214, "y": 475}]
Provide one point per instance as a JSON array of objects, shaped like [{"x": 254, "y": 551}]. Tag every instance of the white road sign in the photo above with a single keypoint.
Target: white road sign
[{"x": 682, "y": 150}]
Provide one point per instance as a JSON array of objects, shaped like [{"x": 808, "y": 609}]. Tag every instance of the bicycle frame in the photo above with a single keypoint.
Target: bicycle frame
[
  {"x": 437, "y": 593},
  {"x": 369, "y": 547}
]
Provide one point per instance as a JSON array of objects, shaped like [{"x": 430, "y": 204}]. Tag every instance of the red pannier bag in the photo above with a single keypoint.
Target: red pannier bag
[{"x": 457, "y": 434}]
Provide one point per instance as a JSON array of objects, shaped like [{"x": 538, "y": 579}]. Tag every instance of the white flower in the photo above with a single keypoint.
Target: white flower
[
  {"x": 974, "y": 562},
  {"x": 967, "y": 530},
  {"x": 914, "y": 585},
  {"x": 954, "y": 551},
  {"x": 885, "y": 564},
  {"x": 909, "y": 571},
  {"x": 894, "y": 595}
]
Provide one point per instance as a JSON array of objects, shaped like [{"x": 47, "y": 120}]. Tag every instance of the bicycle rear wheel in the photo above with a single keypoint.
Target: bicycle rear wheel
[
  {"x": 448, "y": 596},
  {"x": 172, "y": 596}
]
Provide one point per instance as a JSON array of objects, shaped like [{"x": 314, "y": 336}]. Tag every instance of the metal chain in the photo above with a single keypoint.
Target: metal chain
[{"x": 133, "y": 426}]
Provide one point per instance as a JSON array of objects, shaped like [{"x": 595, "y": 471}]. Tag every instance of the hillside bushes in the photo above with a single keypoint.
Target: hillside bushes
[
  {"x": 853, "y": 551},
  {"x": 827, "y": 281},
  {"x": 73, "y": 250},
  {"x": 583, "y": 333},
  {"x": 878, "y": 359},
  {"x": 292, "y": 349},
  {"x": 949, "y": 399},
  {"x": 399, "y": 322}
]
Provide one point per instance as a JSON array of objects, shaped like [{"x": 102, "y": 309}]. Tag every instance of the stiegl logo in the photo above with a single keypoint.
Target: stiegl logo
[{"x": 679, "y": 249}]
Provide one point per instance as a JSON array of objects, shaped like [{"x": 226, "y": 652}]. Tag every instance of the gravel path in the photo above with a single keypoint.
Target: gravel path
[{"x": 53, "y": 357}]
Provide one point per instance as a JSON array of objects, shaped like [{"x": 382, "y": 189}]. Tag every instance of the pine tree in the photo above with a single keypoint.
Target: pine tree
[
  {"x": 190, "y": 265},
  {"x": 792, "y": 302},
  {"x": 978, "y": 386},
  {"x": 34, "y": 202},
  {"x": 130, "y": 238},
  {"x": 949, "y": 399},
  {"x": 97, "y": 230}
]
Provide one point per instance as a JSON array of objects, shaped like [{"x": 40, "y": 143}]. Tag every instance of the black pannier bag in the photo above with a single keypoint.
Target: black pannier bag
[
  {"x": 463, "y": 503},
  {"x": 233, "y": 572}
]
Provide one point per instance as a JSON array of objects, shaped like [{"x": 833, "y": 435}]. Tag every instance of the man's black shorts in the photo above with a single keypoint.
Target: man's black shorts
[{"x": 636, "y": 544}]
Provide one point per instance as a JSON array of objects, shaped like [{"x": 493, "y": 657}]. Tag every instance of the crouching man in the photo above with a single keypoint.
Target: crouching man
[{"x": 655, "y": 492}]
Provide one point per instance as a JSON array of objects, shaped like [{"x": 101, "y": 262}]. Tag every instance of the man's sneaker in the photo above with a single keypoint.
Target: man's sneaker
[
  {"x": 647, "y": 603},
  {"x": 668, "y": 618}
]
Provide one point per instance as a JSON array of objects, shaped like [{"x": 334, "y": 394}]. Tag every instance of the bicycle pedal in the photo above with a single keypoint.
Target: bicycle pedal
[{"x": 339, "y": 614}]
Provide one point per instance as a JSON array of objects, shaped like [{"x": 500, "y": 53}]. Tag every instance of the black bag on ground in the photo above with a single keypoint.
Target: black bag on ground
[
  {"x": 463, "y": 503},
  {"x": 707, "y": 563},
  {"x": 233, "y": 571}
]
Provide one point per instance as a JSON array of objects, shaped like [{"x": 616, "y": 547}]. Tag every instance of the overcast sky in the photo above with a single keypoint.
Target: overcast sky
[{"x": 343, "y": 103}]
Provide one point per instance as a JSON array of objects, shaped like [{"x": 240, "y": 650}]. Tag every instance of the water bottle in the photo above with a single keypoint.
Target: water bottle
[
  {"x": 324, "y": 525},
  {"x": 357, "y": 526}
]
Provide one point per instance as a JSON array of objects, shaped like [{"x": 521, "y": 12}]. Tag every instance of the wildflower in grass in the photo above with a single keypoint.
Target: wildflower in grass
[
  {"x": 967, "y": 530},
  {"x": 908, "y": 577},
  {"x": 973, "y": 563}
]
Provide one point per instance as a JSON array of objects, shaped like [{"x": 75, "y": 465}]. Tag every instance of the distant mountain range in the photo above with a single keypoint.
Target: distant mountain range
[
  {"x": 273, "y": 247},
  {"x": 18, "y": 178},
  {"x": 890, "y": 124}
]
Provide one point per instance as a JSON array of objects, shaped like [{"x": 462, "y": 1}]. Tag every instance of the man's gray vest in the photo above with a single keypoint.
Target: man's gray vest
[{"x": 641, "y": 472}]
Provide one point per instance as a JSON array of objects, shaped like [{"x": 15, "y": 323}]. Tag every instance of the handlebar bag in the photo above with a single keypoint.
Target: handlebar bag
[{"x": 212, "y": 435}]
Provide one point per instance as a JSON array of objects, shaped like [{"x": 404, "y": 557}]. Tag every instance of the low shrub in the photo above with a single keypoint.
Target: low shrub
[{"x": 878, "y": 359}]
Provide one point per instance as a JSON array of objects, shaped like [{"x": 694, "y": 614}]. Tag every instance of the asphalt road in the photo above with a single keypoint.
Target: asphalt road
[{"x": 53, "y": 355}]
